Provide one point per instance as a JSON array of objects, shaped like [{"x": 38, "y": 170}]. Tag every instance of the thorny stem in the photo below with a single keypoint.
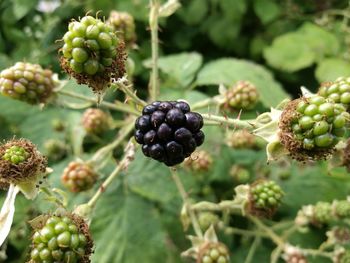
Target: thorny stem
[
  {"x": 186, "y": 202},
  {"x": 204, "y": 103},
  {"x": 232, "y": 230},
  {"x": 153, "y": 24},
  {"x": 101, "y": 154},
  {"x": 125, "y": 86},
  {"x": 118, "y": 106},
  {"x": 236, "y": 123},
  {"x": 124, "y": 163}
]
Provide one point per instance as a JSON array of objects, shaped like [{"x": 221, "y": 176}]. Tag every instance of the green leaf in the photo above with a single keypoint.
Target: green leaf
[
  {"x": 290, "y": 53},
  {"x": 193, "y": 12},
  {"x": 180, "y": 69},
  {"x": 227, "y": 71},
  {"x": 332, "y": 68},
  {"x": 127, "y": 229},
  {"x": 23, "y": 7},
  {"x": 266, "y": 10}
]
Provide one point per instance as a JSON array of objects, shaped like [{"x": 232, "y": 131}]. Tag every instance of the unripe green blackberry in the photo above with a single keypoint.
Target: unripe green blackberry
[
  {"x": 338, "y": 91},
  {"x": 323, "y": 212},
  {"x": 56, "y": 150},
  {"x": 20, "y": 162},
  {"x": 78, "y": 177},
  {"x": 61, "y": 239},
  {"x": 243, "y": 95},
  {"x": 95, "y": 121},
  {"x": 213, "y": 253},
  {"x": 311, "y": 127},
  {"x": 265, "y": 197},
  {"x": 27, "y": 82},
  {"x": 92, "y": 53},
  {"x": 345, "y": 258},
  {"x": 124, "y": 26},
  {"x": 241, "y": 139},
  {"x": 206, "y": 219},
  {"x": 200, "y": 161},
  {"x": 342, "y": 208},
  {"x": 240, "y": 174}
]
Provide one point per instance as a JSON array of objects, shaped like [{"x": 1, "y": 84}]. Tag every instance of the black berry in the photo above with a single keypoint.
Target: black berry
[{"x": 168, "y": 131}]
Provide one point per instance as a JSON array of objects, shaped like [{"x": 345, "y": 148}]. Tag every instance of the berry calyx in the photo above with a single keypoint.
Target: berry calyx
[
  {"x": 27, "y": 82},
  {"x": 20, "y": 161},
  {"x": 124, "y": 26},
  {"x": 241, "y": 96},
  {"x": 265, "y": 197},
  {"x": 63, "y": 238},
  {"x": 95, "y": 121},
  {"x": 78, "y": 177},
  {"x": 213, "y": 253},
  {"x": 92, "y": 53},
  {"x": 15, "y": 154},
  {"x": 168, "y": 131},
  {"x": 311, "y": 127},
  {"x": 337, "y": 91}
]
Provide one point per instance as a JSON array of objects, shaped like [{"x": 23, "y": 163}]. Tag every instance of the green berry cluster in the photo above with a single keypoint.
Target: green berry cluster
[
  {"x": 243, "y": 95},
  {"x": 342, "y": 208},
  {"x": 95, "y": 121},
  {"x": 323, "y": 212},
  {"x": 214, "y": 253},
  {"x": 345, "y": 258},
  {"x": 15, "y": 154},
  {"x": 27, "y": 82},
  {"x": 55, "y": 149},
  {"x": 124, "y": 26},
  {"x": 338, "y": 91},
  {"x": 59, "y": 240},
  {"x": 266, "y": 195},
  {"x": 78, "y": 177},
  {"x": 201, "y": 162},
  {"x": 206, "y": 219},
  {"x": 319, "y": 123},
  {"x": 90, "y": 46},
  {"x": 241, "y": 139}
]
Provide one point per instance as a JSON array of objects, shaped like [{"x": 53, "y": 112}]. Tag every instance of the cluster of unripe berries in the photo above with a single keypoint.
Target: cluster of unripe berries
[
  {"x": 124, "y": 26},
  {"x": 89, "y": 46},
  {"x": 15, "y": 154},
  {"x": 27, "y": 82},
  {"x": 201, "y": 161},
  {"x": 243, "y": 95},
  {"x": 95, "y": 121},
  {"x": 168, "y": 131},
  {"x": 338, "y": 91},
  {"x": 241, "y": 139},
  {"x": 59, "y": 240},
  {"x": 319, "y": 123},
  {"x": 78, "y": 177},
  {"x": 324, "y": 212},
  {"x": 213, "y": 253},
  {"x": 266, "y": 195}
]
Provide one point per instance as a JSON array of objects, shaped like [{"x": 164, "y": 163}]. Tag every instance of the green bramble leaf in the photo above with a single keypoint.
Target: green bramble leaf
[{"x": 332, "y": 68}]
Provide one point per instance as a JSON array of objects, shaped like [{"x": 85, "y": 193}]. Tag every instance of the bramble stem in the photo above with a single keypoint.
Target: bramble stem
[
  {"x": 47, "y": 191},
  {"x": 186, "y": 202},
  {"x": 239, "y": 124},
  {"x": 125, "y": 86},
  {"x": 252, "y": 250},
  {"x": 205, "y": 103},
  {"x": 102, "y": 153},
  {"x": 124, "y": 163},
  {"x": 232, "y": 230},
  {"x": 153, "y": 24},
  {"x": 118, "y": 106}
]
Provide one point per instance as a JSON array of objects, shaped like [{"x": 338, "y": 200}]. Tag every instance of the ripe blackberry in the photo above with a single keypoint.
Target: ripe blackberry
[
  {"x": 92, "y": 53},
  {"x": 338, "y": 91},
  {"x": 124, "y": 26},
  {"x": 95, "y": 121},
  {"x": 242, "y": 95},
  {"x": 168, "y": 131},
  {"x": 311, "y": 127},
  {"x": 27, "y": 82},
  {"x": 78, "y": 177},
  {"x": 62, "y": 239}
]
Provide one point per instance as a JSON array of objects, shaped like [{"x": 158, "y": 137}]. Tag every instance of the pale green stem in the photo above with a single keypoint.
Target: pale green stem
[
  {"x": 314, "y": 252},
  {"x": 275, "y": 255},
  {"x": 186, "y": 202},
  {"x": 204, "y": 103},
  {"x": 118, "y": 106},
  {"x": 102, "y": 153},
  {"x": 126, "y": 87},
  {"x": 252, "y": 250},
  {"x": 232, "y": 231},
  {"x": 153, "y": 24},
  {"x": 120, "y": 166},
  {"x": 236, "y": 123},
  {"x": 47, "y": 191}
]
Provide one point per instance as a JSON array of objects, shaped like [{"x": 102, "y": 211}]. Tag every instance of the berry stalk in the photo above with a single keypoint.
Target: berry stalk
[
  {"x": 118, "y": 106},
  {"x": 239, "y": 124},
  {"x": 126, "y": 87},
  {"x": 153, "y": 24}
]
